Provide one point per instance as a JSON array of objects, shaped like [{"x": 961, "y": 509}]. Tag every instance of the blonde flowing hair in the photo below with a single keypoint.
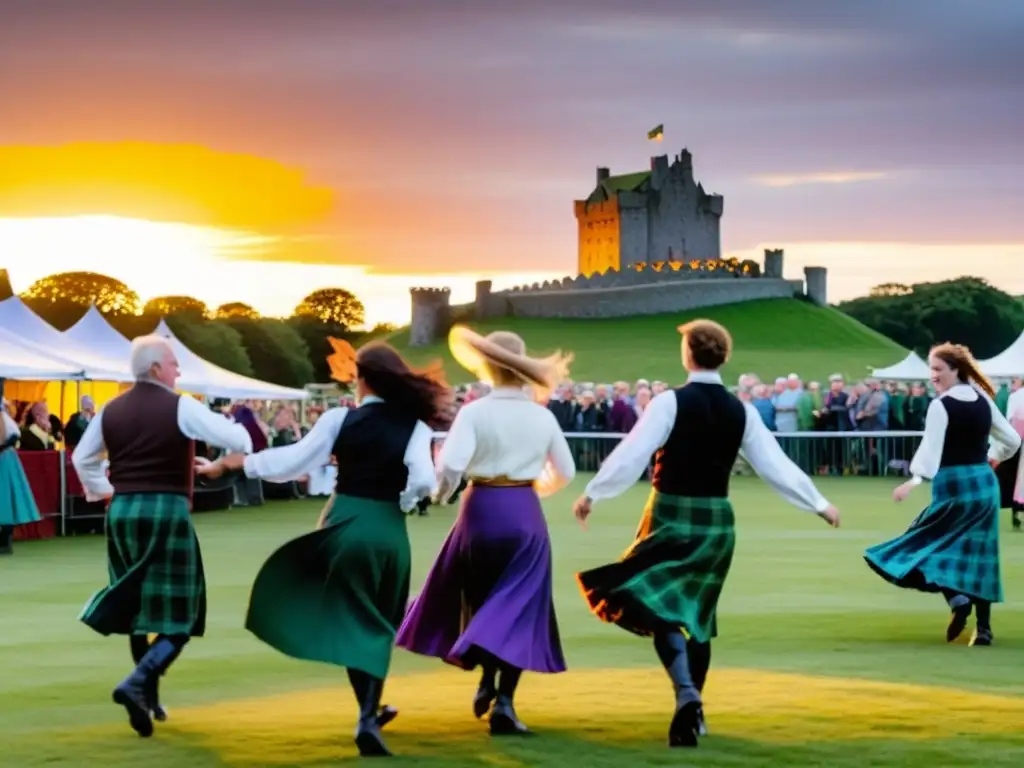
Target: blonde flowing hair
[{"x": 959, "y": 358}]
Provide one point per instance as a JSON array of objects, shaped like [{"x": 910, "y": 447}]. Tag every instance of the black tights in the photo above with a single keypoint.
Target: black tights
[
  {"x": 670, "y": 644},
  {"x": 982, "y": 608},
  {"x": 6, "y": 538},
  {"x": 499, "y": 675}
]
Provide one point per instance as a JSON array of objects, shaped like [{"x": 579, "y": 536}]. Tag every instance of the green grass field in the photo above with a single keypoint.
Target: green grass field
[
  {"x": 819, "y": 662},
  {"x": 774, "y": 337}
]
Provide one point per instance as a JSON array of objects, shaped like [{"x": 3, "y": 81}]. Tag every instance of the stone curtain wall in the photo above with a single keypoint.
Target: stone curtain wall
[
  {"x": 651, "y": 299},
  {"x": 643, "y": 289}
]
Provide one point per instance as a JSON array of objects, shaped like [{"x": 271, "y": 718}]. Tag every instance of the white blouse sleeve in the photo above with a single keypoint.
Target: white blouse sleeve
[
  {"x": 765, "y": 455},
  {"x": 420, "y": 461},
  {"x": 290, "y": 462},
  {"x": 198, "y": 422},
  {"x": 632, "y": 456},
  {"x": 926, "y": 461},
  {"x": 1005, "y": 440},
  {"x": 456, "y": 453},
  {"x": 88, "y": 461},
  {"x": 560, "y": 468}
]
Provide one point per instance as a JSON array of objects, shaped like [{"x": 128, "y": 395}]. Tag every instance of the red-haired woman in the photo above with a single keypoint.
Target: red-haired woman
[{"x": 952, "y": 547}]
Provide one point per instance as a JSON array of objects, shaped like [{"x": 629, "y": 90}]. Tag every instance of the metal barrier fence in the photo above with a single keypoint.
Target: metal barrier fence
[{"x": 864, "y": 454}]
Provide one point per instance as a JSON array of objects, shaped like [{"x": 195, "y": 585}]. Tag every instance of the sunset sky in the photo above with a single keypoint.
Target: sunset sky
[{"x": 379, "y": 145}]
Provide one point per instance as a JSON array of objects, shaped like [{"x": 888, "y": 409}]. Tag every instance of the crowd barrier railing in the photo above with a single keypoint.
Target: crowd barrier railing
[
  {"x": 864, "y": 454},
  {"x": 60, "y": 497}
]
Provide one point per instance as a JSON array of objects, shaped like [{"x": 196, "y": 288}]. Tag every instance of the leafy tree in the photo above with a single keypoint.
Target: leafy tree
[
  {"x": 891, "y": 289},
  {"x": 166, "y": 306},
  {"x": 277, "y": 351},
  {"x": 314, "y": 334},
  {"x": 965, "y": 311},
  {"x": 111, "y": 297},
  {"x": 333, "y": 305},
  {"x": 5, "y": 285},
  {"x": 214, "y": 342},
  {"x": 383, "y": 329},
  {"x": 235, "y": 309}
]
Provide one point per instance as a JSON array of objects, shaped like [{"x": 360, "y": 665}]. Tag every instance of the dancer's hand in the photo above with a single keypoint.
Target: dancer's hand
[
  {"x": 993, "y": 463},
  {"x": 902, "y": 492},
  {"x": 830, "y": 516},
  {"x": 207, "y": 468},
  {"x": 582, "y": 509}
]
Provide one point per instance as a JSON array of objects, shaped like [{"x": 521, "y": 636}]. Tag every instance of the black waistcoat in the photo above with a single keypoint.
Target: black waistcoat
[
  {"x": 698, "y": 457},
  {"x": 967, "y": 432},
  {"x": 370, "y": 450}
]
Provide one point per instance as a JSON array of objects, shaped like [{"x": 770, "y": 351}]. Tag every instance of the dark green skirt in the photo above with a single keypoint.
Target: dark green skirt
[
  {"x": 673, "y": 573},
  {"x": 953, "y": 545},
  {"x": 337, "y": 595},
  {"x": 157, "y": 584}
]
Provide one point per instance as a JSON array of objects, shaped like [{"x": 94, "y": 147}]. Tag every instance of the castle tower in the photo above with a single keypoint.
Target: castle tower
[
  {"x": 773, "y": 263},
  {"x": 816, "y": 285},
  {"x": 431, "y": 315}
]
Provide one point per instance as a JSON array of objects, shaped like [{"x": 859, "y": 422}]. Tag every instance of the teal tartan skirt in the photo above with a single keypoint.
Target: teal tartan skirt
[
  {"x": 673, "y": 574},
  {"x": 157, "y": 584},
  {"x": 953, "y": 545},
  {"x": 17, "y": 504}
]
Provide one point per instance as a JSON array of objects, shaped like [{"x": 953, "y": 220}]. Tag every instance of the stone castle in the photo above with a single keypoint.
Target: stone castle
[
  {"x": 658, "y": 215},
  {"x": 664, "y": 228}
]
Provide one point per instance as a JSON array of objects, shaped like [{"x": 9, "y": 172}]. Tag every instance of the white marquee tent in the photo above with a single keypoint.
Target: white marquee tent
[
  {"x": 1007, "y": 364},
  {"x": 37, "y": 334},
  {"x": 93, "y": 333},
  {"x": 203, "y": 378},
  {"x": 910, "y": 368},
  {"x": 19, "y": 360}
]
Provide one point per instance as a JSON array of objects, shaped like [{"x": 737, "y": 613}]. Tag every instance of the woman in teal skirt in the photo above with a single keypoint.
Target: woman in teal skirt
[
  {"x": 17, "y": 504},
  {"x": 952, "y": 547},
  {"x": 338, "y": 595}
]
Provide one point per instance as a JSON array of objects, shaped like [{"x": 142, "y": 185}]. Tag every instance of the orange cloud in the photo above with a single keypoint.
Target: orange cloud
[{"x": 160, "y": 182}]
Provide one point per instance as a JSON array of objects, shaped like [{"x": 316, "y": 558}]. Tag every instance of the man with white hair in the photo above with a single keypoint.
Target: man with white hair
[{"x": 157, "y": 585}]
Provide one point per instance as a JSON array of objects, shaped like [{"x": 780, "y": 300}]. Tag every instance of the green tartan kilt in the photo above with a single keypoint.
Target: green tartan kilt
[
  {"x": 953, "y": 545},
  {"x": 157, "y": 584},
  {"x": 337, "y": 595},
  {"x": 673, "y": 573}
]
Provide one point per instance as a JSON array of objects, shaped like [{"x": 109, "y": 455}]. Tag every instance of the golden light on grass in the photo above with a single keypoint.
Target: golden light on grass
[{"x": 766, "y": 708}]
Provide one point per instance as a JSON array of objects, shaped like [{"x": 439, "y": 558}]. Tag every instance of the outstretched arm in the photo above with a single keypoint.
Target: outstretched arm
[
  {"x": 419, "y": 459},
  {"x": 290, "y": 462},
  {"x": 631, "y": 457},
  {"x": 766, "y": 456},
  {"x": 198, "y": 422}
]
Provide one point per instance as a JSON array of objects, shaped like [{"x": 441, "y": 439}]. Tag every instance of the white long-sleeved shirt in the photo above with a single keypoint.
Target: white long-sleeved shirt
[
  {"x": 312, "y": 452},
  {"x": 631, "y": 457},
  {"x": 925, "y": 464},
  {"x": 505, "y": 434},
  {"x": 196, "y": 422},
  {"x": 11, "y": 429}
]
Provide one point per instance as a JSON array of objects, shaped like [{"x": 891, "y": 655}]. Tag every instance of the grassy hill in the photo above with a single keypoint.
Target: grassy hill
[{"x": 773, "y": 337}]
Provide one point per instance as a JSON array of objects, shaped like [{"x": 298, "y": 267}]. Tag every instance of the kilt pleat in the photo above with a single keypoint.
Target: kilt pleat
[
  {"x": 954, "y": 543},
  {"x": 673, "y": 573},
  {"x": 157, "y": 583}
]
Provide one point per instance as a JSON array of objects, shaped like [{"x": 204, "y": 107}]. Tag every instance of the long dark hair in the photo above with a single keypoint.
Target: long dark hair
[{"x": 421, "y": 394}]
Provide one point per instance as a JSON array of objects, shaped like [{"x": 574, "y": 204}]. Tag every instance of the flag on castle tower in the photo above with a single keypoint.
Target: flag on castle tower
[{"x": 657, "y": 133}]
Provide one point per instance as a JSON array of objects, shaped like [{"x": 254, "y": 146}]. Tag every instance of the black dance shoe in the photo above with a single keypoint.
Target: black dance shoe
[
  {"x": 958, "y": 621},
  {"x": 504, "y": 721},
  {"x": 982, "y": 637},
  {"x": 368, "y": 736},
  {"x": 685, "y": 725},
  {"x": 385, "y": 715},
  {"x": 702, "y": 726},
  {"x": 483, "y": 700}
]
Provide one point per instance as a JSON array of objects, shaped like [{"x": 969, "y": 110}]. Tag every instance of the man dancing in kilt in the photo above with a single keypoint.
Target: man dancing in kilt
[
  {"x": 669, "y": 581},
  {"x": 952, "y": 547},
  {"x": 157, "y": 586}
]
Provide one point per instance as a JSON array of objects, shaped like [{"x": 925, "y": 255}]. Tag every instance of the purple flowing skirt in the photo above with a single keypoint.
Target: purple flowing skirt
[{"x": 490, "y": 587}]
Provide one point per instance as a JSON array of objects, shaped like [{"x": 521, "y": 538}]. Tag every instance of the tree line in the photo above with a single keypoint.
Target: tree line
[
  {"x": 288, "y": 351},
  {"x": 967, "y": 310}
]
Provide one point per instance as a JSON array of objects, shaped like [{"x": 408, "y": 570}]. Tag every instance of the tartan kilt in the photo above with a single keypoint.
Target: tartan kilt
[
  {"x": 673, "y": 573},
  {"x": 157, "y": 584},
  {"x": 954, "y": 543}
]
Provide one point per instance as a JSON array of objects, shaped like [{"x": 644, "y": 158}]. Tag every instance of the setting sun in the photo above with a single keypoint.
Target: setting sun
[{"x": 214, "y": 265}]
